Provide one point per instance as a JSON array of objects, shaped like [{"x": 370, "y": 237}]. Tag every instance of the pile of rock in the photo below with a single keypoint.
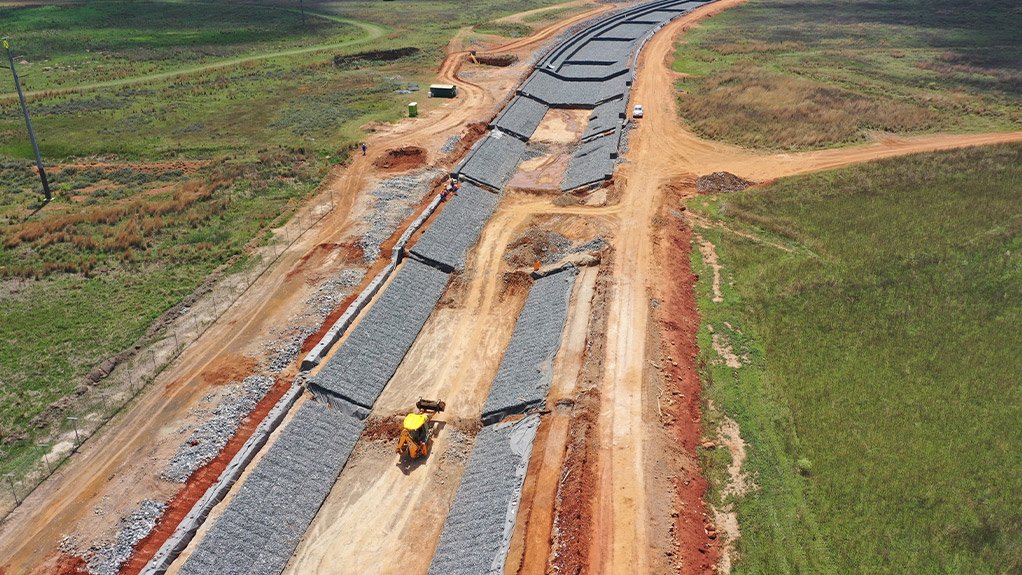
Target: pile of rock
[
  {"x": 394, "y": 199},
  {"x": 332, "y": 292},
  {"x": 206, "y": 442},
  {"x": 721, "y": 182},
  {"x": 107, "y": 559}
]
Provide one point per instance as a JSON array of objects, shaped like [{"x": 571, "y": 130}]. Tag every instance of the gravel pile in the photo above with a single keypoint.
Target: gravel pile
[
  {"x": 721, "y": 182},
  {"x": 285, "y": 351},
  {"x": 107, "y": 559},
  {"x": 209, "y": 439},
  {"x": 527, "y": 366},
  {"x": 477, "y": 531},
  {"x": 394, "y": 199},
  {"x": 450, "y": 145},
  {"x": 594, "y": 245},
  {"x": 332, "y": 292},
  {"x": 547, "y": 246}
]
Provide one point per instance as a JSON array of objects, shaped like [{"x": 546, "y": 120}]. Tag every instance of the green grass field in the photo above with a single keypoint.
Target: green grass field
[
  {"x": 808, "y": 74},
  {"x": 259, "y": 104},
  {"x": 880, "y": 391},
  {"x": 69, "y": 44}
]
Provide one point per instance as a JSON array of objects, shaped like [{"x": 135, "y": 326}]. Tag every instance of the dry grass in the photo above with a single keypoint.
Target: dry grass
[
  {"x": 796, "y": 74},
  {"x": 791, "y": 112}
]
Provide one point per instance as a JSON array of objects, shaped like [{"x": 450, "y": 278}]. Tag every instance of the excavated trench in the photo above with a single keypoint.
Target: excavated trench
[{"x": 260, "y": 527}]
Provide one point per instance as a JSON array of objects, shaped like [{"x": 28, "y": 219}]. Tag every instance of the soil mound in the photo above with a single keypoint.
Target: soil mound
[
  {"x": 402, "y": 159},
  {"x": 499, "y": 60},
  {"x": 721, "y": 182}
]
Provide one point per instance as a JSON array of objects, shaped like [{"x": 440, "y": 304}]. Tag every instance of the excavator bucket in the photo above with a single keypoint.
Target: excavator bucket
[{"x": 431, "y": 405}]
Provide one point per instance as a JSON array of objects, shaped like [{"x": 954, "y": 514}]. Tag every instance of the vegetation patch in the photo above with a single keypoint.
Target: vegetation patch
[
  {"x": 795, "y": 75},
  {"x": 505, "y": 29},
  {"x": 877, "y": 390}
]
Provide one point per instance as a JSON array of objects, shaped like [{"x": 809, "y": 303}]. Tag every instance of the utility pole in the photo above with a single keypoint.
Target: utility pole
[
  {"x": 301, "y": 7},
  {"x": 28, "y": 122}
]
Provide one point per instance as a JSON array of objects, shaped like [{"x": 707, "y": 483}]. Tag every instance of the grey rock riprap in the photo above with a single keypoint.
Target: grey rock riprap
[
  {"x": 366, "y": 360},
  {"x": 447, "y": 240},
  {"x": 525, "y": 371},
  {"x": 107, "y": 559},
  {"x": 478, "y": 529},
  {"x": 493, "y": 160},
  {"x": 605, "y": 117},
  {"x": 209, "y": 439},
  {"x": 263, "y": 524},
  {"x": 592, "y": 162},
  {"x": 521, "y": 117}
]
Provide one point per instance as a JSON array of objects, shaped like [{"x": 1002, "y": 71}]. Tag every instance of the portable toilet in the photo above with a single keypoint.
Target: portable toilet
[
  {"x": 413, "y": 110},
  {"x": 443, "y": 91}
]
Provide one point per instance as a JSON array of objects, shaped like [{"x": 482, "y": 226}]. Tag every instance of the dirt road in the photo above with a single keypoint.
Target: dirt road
[{"x": 662, "y": 152}]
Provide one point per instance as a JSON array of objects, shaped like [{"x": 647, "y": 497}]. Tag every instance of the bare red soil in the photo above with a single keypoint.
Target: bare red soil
[
  {"x": 401, "y": 159},
  {"x": 678, "y": 318}
]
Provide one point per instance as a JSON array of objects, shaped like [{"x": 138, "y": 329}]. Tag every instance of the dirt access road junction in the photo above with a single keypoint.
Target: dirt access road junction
[{"x": 569, "y": 441}]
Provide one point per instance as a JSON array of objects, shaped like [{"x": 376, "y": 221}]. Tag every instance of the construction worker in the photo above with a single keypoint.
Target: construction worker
[{"x": 450, "y": 188}]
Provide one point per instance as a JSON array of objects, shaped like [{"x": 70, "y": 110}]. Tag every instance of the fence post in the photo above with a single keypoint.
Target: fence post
[{"x": 14, "y": 492}]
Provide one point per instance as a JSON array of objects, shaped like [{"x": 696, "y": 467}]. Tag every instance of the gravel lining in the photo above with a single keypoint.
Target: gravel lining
[
  {"x": 523, "y": 377},
  {"x": 448, "y": 239},
  {"x": 261, "y": 527},
  {"x": 521, "y": 117},
  {"x": 494, "y": 159},
  {"x": 605, "y": 117},
  {"x": 593, "y": 162},
  {"x": 366, "y": 361},
  {"x": 477, "y": 531}
]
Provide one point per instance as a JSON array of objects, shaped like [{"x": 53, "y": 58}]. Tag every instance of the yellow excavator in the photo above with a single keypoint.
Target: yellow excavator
[{"x": 417, "y": 430}]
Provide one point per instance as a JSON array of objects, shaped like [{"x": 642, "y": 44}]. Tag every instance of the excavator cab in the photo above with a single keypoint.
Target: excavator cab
[{"x": 417, "y": 428}]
